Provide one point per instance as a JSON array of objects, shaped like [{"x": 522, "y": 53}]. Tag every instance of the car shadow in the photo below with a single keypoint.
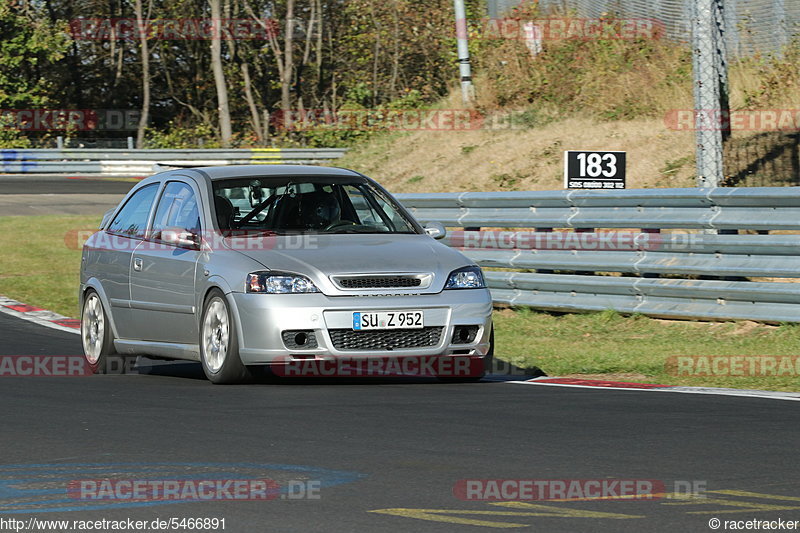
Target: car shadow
[{"x": 502, "y": 372}]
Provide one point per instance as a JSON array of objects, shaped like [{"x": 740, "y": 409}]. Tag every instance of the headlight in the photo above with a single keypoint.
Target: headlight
[
  {"x": 279, "y": 283},
  {"x": 466, "y": 278}
]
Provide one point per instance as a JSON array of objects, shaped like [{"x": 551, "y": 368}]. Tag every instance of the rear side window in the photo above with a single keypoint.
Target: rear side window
[
  {"x": 177, "y": 210},
  {"x": 131, "y": 221}
]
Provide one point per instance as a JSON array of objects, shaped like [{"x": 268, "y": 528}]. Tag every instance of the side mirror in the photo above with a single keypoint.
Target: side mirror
[
  {"x": 435, "y": 230},
  {"x": 181, "y": 237}
]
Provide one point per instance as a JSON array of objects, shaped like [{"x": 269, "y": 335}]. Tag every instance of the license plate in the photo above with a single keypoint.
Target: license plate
[{"x": 388, "y": 320}]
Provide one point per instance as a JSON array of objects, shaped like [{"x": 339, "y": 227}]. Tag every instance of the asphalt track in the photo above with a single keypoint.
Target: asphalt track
[
  {"x": 386, "y": 455},
  {"x": 63, "y": 184},
  {"x": 48, "y": 194}
]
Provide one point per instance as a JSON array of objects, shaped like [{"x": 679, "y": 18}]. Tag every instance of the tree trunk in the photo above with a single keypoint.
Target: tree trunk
[
  {"x": 226, "y": 133},
  {"x": 376, "y": 54},
  {"x": 145, "y": 53},
  {"x": 251, "y": 102},
  {"x": 288, "y": 56}
]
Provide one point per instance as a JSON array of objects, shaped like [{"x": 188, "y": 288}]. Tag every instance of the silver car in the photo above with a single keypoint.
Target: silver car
[{"x": 241, "y": 267}]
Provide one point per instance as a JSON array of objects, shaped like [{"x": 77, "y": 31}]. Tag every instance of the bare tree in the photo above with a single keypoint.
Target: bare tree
[
  {"x": 240, "y": 55},
  {"x": 223, "y": 108},
  {"x": 306, "y": 56},
  {"x": 145, "y": 53},
  {"x": 284, "y": 59},
  {"x": 288, "y": 59},
  {"x": 255, "y": 118},
  {"x": 376, "y": 53}
]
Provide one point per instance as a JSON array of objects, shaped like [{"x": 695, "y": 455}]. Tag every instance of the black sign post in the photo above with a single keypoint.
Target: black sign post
[{"x": 585, "y": 169}]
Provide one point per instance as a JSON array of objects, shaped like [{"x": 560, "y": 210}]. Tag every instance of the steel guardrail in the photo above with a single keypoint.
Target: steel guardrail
[
  {"x": 123, "y": 161},
  {"x": 709, "y": 254}
]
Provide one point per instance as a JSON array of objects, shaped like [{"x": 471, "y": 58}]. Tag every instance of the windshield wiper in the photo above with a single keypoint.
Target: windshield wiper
[
  {"x": 251, "y": 232},
  {"x": 357, "y": 230}
]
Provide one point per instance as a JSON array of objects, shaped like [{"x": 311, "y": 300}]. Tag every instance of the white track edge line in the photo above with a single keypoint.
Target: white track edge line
[
  {"x": 741, "y": 393},
  {"x": 37, "y": 320}
]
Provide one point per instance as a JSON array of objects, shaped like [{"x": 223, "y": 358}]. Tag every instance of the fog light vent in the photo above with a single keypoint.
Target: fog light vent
[
  {"x": 299, "y": 339},
  {"x": 464, "y": 334}
]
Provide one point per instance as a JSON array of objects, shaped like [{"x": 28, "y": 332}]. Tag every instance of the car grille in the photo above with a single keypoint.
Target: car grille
[
  {"x": 379, "y": 282},
  {"x": 348, "y": 339}
]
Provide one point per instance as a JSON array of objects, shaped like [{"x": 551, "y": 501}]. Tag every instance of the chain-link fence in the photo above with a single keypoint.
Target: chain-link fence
[
  {"x": 750, "y": 25},
  {"x": 766, "y": 159}
]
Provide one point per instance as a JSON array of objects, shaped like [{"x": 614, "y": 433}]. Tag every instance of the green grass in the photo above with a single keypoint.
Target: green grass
[
  {"x": 637, "y": 348},
  {"x": 41, "y": 258}
]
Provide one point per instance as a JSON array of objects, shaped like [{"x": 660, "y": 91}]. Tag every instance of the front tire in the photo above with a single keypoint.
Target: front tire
[
  {"x": 219, "y": 344},
  {"x": 96, "y": 335}
]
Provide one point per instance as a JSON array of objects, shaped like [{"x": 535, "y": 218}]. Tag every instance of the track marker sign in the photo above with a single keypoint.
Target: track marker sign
[{"x": 584, "y": 169}]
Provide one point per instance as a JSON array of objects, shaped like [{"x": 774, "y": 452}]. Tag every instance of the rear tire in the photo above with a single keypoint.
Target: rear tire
[
  {"x": 96, "y": 334},
  {"x": 219, "y": 344}
]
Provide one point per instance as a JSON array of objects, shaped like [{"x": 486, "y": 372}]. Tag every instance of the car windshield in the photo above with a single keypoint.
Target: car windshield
[{"x": 296, "y": 204}]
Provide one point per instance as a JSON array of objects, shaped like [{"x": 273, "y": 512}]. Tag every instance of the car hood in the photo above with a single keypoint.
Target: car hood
[{"x": 320, "y": 256}]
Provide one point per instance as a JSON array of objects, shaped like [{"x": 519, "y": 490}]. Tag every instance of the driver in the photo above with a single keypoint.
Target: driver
[{"x": 319, "y": 210}]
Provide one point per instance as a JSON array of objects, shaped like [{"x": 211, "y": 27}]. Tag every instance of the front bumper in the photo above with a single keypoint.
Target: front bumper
[{"x": 262, "y": 318}]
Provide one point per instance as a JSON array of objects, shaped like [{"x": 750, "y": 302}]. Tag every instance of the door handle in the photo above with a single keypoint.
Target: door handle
[{"x": 137, "y": 264}]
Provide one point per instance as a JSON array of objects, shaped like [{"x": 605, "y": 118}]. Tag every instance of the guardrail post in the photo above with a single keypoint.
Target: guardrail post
[
  {"x": 544, "y": 270},
  {"x": 730, "y": 232},
  {"x": 650, "y": 274},
  {"x": 584, "y": 272}
]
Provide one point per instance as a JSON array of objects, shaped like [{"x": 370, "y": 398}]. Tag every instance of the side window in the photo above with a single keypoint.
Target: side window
[
  {"x": 131, "y": 221},
  {"x": 397, "y": 221},
  {"x": 378, "y": 213},
  {"x": 366, "y": 214},
  {"x": 177, "y": 209}
]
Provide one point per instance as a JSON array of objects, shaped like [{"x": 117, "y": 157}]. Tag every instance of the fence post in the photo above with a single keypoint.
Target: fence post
[
  {"x": 467, "y": 89},
  {"x": 710, "y": 89},
  {"x": 781, "y": 28}
]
